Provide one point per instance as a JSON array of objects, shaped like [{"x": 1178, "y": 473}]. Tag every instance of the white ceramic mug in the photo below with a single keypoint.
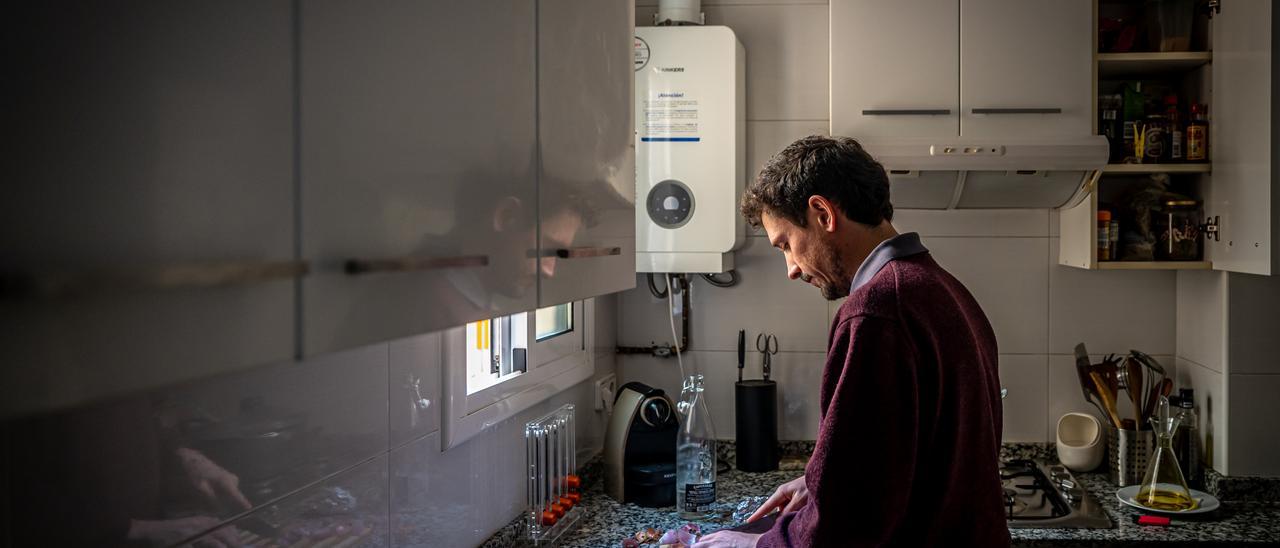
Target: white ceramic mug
[{"x": 1079, "y": 441}]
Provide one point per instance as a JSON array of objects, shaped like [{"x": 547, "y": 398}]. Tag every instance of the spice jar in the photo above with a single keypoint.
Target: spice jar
[
  {"x": 1104, "y": 235},
  {"x": 1177, "y": 228}
]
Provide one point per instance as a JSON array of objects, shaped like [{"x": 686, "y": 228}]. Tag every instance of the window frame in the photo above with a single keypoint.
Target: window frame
[{"x": 554, "y": 365}]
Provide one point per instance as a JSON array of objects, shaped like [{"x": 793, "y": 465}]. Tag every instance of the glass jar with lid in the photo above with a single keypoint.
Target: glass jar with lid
[{"x": 1177, "y": 228}]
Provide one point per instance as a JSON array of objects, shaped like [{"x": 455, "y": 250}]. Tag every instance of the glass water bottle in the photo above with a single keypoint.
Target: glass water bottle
[
  {"x": 1163, "y": 486},
  {"x": 695, "y": 453}
]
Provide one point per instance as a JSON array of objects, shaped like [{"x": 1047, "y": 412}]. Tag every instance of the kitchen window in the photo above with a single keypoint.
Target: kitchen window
[
  {"x": 498, "y": 349},
  {"x": 497, "y": 367}
]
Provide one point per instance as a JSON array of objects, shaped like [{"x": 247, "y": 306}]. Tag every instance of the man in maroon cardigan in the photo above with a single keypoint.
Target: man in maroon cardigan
[{"x": 908, "y": 446}]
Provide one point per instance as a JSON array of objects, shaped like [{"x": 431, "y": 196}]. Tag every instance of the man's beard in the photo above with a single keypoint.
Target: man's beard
[{"x": 833, "y": 263}]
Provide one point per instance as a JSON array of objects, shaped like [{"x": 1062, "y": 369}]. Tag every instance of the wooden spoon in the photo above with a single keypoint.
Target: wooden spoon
[
  {"x": 1134, "y": 387},
  {"x": 1108, "y": 395}
]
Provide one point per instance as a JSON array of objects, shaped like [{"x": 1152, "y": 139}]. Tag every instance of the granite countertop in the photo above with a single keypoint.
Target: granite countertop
[{"x": 607, "y": 522}]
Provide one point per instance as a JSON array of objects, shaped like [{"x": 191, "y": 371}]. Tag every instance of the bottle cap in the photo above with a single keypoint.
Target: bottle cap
[
  {"x": 1171, "y": 99},
  {"x": 1104, "y": 215},
  {"x": 1187, "y": 397}
]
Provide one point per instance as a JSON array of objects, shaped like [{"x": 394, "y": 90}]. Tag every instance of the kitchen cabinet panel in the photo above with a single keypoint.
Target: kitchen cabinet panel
[
  {"x": 895, "y": 68},
  {"x": 1020, "y": 56},
  {"x": 351, "y": 509},
  {"x": 418, "y": 159},
  {"x": 1240, "y": 190},
  {"x": 586, "y": 149},
  {"x": 147, "y": 225},
  {"x": 86, "y": 472}
]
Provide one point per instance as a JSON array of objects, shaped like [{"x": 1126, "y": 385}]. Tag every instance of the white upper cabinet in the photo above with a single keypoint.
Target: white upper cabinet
[
  {"x": 418, "y": 134},
  {"x": 972, "y": 68},
  {"x": 1026, "y": 68},
  {"x": 895, "y": 68},
  {"x": 148, "y": 224},
  {"x": 586, "y": 147},
  {"x": 1241, "y": 121}
]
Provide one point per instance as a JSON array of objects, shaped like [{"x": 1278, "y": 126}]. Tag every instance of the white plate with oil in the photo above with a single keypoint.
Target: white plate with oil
[{"x": 1205, "y": 502}]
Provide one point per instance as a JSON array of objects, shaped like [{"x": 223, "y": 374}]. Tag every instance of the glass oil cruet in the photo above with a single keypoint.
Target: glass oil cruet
[{"x": 1163, "y": 486}]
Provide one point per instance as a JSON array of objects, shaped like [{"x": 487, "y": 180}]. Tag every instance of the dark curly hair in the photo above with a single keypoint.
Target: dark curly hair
[{"x": 836, "y": 168}]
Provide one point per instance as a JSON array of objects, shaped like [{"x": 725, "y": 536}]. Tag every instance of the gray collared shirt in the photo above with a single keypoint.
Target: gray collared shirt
[{"x": 897, "y": 247}]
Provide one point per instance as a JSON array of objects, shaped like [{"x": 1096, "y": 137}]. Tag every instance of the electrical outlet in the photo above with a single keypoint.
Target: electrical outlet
[{"x": 606, "y": 387}]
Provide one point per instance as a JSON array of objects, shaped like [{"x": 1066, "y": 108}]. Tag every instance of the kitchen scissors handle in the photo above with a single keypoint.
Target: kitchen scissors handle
[{"x": 769, "y": 346}]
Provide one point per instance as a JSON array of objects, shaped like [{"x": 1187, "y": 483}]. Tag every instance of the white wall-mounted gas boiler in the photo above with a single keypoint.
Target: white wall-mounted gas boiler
[{"x": 690, "y": 148}]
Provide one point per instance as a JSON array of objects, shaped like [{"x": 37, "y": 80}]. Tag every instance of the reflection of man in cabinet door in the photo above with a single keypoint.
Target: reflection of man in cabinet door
[{"x": 511, "y": 236}]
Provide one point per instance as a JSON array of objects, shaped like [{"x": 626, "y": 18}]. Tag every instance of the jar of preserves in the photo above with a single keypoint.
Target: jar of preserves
[{"x": 1177, "y": 229}]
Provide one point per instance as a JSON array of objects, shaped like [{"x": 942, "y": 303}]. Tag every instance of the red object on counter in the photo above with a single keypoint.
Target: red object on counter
[
  {"x": 548, "y": 518},
  {"x": 571, "y": 481},
  {"x": 575, "y": 497},
  {"x": 558, "y": 509},
  {"x": 1153, "y": 520},
  {"x": 567, "y": 502}
]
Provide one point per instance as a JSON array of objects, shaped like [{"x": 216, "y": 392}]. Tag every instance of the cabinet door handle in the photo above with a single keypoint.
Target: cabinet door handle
[
  {"x": 907, "y": 112},
  {"x": 413, "y": 264},
  {"x": 175, "y": 276},
  {"x": 587, "y": 252},
  {"x": 1017, "y": 111}
]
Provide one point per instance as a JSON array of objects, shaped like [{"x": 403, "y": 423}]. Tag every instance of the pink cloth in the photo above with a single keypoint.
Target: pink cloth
[{"x": 908, "y": 448}]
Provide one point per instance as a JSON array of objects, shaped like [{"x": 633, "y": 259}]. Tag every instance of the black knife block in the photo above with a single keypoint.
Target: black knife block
[{"x": 756, "y": 408}]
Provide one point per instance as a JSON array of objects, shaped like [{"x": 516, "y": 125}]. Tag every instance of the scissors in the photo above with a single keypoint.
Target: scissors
[{"x": 767, "y": 345}]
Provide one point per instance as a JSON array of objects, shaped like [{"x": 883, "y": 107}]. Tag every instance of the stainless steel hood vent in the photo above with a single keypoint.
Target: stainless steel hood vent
[{"x": 983, "y": 174}]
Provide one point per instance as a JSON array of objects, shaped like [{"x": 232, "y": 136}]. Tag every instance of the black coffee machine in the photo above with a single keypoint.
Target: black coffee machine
[{"x": 640, "y": 447}]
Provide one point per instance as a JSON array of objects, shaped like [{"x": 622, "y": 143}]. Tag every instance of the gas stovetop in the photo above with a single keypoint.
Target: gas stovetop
[{"x": 1038, "y": 495}]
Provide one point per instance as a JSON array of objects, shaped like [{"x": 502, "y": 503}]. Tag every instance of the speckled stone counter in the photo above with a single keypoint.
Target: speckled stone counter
[{"x": 607, "y": 522}]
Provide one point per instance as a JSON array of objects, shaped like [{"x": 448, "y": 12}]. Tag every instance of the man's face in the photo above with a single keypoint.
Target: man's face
[{"x": 810, "y": 254}]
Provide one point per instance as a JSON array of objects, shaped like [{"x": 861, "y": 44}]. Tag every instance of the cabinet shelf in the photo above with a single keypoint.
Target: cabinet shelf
[
  {"x": 1111, "y": 65},
  {"x": 1138, "y": 169},
  {"x": 1155, "y": 265}
]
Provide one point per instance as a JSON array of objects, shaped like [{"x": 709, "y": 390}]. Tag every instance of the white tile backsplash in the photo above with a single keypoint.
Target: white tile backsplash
[
  {"x": 765, "y": 300},
  {"x": 1254, "y": 443},
  {"x": 1201, "y": 327},
  {"x": 973, "y": 222},
  {"x": 1254, "y": 319},
  {"x": 1025, "y": 376},
  {"x": 1009, "y": 278},
  {"x": 1111, "y": 311}
]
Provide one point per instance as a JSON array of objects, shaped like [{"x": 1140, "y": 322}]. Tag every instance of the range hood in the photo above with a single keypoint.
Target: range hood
[{"x": 964, "y": 173}]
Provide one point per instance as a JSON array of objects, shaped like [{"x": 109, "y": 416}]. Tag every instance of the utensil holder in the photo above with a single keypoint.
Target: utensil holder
[{"x": 1127, "y": 454}]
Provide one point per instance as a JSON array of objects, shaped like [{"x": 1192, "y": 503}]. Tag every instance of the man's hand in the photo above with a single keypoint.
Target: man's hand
[
  {"x": 727, "y": 539},
  {"x": 211, "y": 480},
  {"x": 790, "y": 496}
]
